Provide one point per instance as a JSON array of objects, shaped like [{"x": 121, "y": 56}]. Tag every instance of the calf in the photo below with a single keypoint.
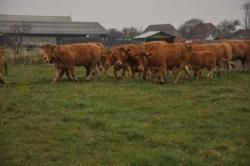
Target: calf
[
  {"x": 223, "y": 52},
  {"x": 203, "y": 59}
]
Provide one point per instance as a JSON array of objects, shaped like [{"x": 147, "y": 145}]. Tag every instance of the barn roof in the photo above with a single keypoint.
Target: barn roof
[
  {"x": 151, "y": 33},
  {"x": 168, "y": 28},
  {"x": 52, "y": 25},
  {"x": 28, "y": 18}
]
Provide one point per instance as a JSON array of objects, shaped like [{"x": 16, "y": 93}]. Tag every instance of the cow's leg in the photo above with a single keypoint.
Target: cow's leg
[
  {"x": 178, "y": 73},
  {"x": 133, "y": 71},
  {"x": 87, "y": 71},
  {"x": 229, "y": 67},
  {"x": 106, "y": 72},
  {"x": 144, "y": 75},
  {"x": 218, "y": 66},
  {"x": 243, "y": 64},
  {"x": 209, "y": 69},
  {"x": 115, "y": 73},
  {"x": 200, "y": 73},
  {"x": 58, "y": 74},
  {"x": 68, "y": 74},
  {"x": 91, "y": 71},
  {"x": 124, "y": 69},
  {"x": 72, "y": 73},
  {"x": 187, "y": 74},
  {"x": 162, "y": 74},
  {"x": 196, "y": 74}
]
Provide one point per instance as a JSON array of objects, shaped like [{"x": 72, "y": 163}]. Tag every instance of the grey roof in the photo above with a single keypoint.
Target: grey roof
[
  {"x": 58, "y": 28},
  {"x": 151, "y": 33},
  {"x": 168, "y": 28},
  {"x": 52, "y": 25},
  {"x": 146, "y": 34},
  {"x": 28, "y": 18}
]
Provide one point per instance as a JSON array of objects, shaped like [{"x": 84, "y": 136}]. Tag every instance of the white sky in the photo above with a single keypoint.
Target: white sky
[{"x": 125, "y": 13}]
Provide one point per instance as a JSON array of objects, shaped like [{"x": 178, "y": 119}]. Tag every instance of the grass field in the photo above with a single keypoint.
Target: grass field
[{"x": 132, "y": 122}]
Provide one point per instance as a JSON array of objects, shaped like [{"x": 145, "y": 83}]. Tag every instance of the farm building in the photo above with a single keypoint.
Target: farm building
[
  {"x": 51, "y": 29},
  {"x": 155, "y": 36},
  {"x": 206, "y": 31},
  {"x": 241, "y": 34},
  {"x": 167, "y": 28}
]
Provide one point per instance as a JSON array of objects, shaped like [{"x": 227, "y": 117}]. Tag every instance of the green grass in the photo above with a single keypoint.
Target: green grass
[{"x": 132, "y": 122}]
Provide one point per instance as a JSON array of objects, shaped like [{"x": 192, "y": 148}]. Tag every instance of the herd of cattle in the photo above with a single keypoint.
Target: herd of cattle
[{"x": 152, "y": 60}]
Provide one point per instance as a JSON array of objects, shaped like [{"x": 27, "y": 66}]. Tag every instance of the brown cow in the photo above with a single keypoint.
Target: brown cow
[
  {"x": 203, "y": 59},
  {"x": 110, "y": 58},
  {"x": 128, "y": 56},
  {"x": 153, "y": 59},
  {"x": 223, "y": 52},
  {"x": 66, "y": 57},
  {"x": 240, "y": 50},
  {"x": 160, "y": 57},
  {"x": 3, "y": 66}
]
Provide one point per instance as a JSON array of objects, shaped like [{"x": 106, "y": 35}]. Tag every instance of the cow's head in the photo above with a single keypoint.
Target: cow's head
[
  {"x": 120, "y": 56},
  {"x": 143, "y": 60},
  {"x": 107, "y": 59},
  {"x": 48, "y": 52},
  {"x": 188, "y": 47}
]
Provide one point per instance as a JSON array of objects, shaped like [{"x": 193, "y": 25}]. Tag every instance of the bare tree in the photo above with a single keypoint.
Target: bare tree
[
  {"x": 246, "y": 9},
  {"x": 227, "y": 27},
  {"x": 115, "y": 34},
  {"x": 130, "y": 32},
  {"x": 18, "y": 31},
  {"x": 186, "y": 29}
]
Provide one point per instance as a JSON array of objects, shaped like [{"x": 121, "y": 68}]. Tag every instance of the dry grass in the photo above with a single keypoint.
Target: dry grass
[{"x": 26, "y": 56}]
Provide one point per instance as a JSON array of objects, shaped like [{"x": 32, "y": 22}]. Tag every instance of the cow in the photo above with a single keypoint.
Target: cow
[
  {"x": 108, "y": 59},
  {"x": 128, "y": 57},
  {"x": 223, "y": 52},
  {"x": 3, "y": 66},
  {"x": 161, "y": 57},
  {"x": 203, "y": 59},
  {"x": 66, "y": 57},
  {"x": 240, "y": 51}
]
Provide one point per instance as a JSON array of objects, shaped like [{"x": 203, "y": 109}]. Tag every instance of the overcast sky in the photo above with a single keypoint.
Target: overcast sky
[{"x": 124, "y": 13}]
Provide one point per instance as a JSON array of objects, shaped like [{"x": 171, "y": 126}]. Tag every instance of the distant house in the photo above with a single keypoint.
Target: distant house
[
  {"x": 167, "y": 28},
  {"x": 154, "y": 36},
  {"x": 206, "y": 31},
  {"x": 52, "y": 29},
  {"x": 241, "y": 34}
]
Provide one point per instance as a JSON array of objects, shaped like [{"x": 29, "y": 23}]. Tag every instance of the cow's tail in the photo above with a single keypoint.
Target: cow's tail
[{"x": 5, "y": 68}]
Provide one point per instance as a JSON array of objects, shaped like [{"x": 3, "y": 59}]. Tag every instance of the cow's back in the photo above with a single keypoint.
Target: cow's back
[
  {"x": 79, "y": 54},
  {"x": 202, "y": 58},
  {"x": 221, "y": 50},
  {"x": 176, "y": 54}
]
